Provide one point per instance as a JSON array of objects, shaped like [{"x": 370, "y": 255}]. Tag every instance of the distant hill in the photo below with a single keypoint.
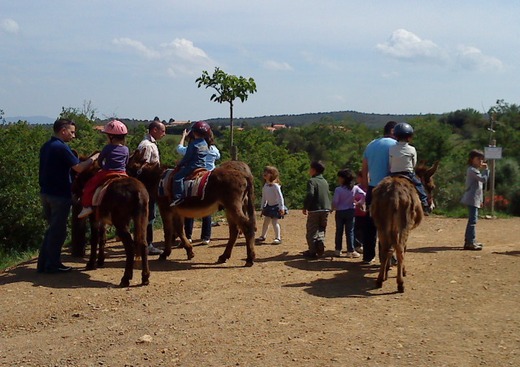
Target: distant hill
[
  {"x": 43, "y": 120},
  {"x": 372, "y": 120}
]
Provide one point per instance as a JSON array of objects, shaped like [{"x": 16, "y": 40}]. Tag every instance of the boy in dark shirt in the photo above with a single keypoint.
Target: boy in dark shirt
[{"x": 316, "y": 207}]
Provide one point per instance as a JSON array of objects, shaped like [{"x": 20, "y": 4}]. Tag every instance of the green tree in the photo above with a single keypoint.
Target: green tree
[{"x": 228, "y": 88}]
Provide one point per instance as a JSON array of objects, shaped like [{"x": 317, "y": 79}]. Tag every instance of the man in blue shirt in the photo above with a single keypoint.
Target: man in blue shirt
[
  {"x": 56, "y": 161},
  {"x": 376, "y": 167}
]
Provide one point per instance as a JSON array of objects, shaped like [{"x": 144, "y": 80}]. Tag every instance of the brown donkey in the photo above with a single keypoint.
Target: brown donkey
[
  {"x": 125, "y": 200},
  {"x": 396, "y": 210},
  {"x": 230, "y": 186}
]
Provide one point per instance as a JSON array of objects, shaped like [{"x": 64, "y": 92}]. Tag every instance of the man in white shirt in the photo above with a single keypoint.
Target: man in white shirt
[{"x": 156, "y": 130}]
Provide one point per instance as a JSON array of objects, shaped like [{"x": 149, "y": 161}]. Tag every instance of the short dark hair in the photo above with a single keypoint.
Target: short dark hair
[
  {"x": 318, "y": 166},
  {"x": 388, "y": 127},
  {"x": 475, "y": 153},
  {"x": 60, "y": 123},
  {"x": 154, "y": 124}
]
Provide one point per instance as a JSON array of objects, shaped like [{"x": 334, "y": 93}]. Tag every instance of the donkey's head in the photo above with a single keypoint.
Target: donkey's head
[{"x": 425, "y": 174}]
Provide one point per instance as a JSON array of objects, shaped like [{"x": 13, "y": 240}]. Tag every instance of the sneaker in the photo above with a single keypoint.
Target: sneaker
[
  {"x": 176, "y": 202},
  {"x": 154, "y": 250},
  {"x": 205, "y": 241},
  {"x": 85, "y": 212},
  {"x": 337, "y": 253},
  {"x": 64, "y": 269},
  {"x": 310, "y": 255},
  {"x": 369, "y": 262},
  {"x": 260, "y": 239},
  {"x": 473, "y": 246},
  {"x": 353, "y": 254},
  {"x": 277, "y": 241},
  {"x": 359, "y": 249}
]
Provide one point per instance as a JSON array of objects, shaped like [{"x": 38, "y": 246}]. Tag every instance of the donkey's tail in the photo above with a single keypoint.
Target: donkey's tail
[{"x": 250, "y": 198}]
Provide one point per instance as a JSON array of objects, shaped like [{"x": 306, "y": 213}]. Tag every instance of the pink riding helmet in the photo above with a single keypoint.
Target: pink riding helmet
[{"x": 115, "y": 127}]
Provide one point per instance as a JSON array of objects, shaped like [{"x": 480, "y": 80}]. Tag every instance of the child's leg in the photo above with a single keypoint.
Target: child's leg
[
  {"x": 359, "y": 231},
  {"x": 265, "y": 226},
  {"x": 471, "y": 233},
  {"x": 340, "y": 226},
  {"x": 349, "y": 223},
  {"x": 277, "y": 230},
  {"x": 91, "y": 186},
  {"x": 312, "y": 227},
  {"x": 420, "y": 190}
]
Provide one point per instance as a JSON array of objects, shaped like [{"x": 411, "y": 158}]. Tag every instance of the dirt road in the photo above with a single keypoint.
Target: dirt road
[{"x": 460, "y": 308}]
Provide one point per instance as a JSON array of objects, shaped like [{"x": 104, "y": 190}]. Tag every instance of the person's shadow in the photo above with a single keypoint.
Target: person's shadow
[
  {"x": 351, "y": 281},
  {"x": 26, "y": 272}
]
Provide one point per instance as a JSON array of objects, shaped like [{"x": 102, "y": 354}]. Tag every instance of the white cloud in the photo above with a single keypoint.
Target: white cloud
[
  {"x": 472, "y": 58},
  {"x": 277, "y": 66},
  {"x": 138, "y": 46},
  {"x": 406, "y": 45},
  {"x": 9, "y": 26},
  {"x": 182, "y": 55}
]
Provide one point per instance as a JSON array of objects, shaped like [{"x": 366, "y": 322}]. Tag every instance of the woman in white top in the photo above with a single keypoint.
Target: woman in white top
[{"x": 272, "y": 205}]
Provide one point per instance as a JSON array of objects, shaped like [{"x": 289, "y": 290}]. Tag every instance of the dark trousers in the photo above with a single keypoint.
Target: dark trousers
[
  {"x": 152, "y": 214},
  {"x": 56, "y": 212},
  {"x": 206, "y": 227},
  {"x": 359, "y": 230},
  {"x": 369, "y": 248}
]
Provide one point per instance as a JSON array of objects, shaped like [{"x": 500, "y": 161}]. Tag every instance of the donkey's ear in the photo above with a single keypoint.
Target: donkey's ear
[{"x": 431, "y": 171}]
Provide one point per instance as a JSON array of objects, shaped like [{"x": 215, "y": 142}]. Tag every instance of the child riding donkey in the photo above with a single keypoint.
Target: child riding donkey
[
  {"x": 403, "y": 158},
  {"x": 113, "y": 159},
  {"x": 194, "y": 158}
]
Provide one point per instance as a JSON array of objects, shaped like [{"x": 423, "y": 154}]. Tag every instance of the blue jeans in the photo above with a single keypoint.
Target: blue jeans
[
  {"x": 206, "y": 227},
  {"x": 471, "y": 233},
  {"x": 56, "y": 211},
  {"x": 345, "y": 220}
]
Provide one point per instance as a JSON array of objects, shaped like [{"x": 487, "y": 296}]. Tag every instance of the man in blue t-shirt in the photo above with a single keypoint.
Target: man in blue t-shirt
[
  {"x": 376, "y": 166},
  {"x": 56, "y": 162}
]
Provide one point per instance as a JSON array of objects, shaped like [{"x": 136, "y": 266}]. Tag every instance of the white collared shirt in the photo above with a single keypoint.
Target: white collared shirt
[{"x": 151, "y": 151}]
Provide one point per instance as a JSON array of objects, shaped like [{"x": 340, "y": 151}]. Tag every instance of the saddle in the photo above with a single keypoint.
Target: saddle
[
  {"x": 194, "y": 184},
  {"x": 101, "y": 190}
]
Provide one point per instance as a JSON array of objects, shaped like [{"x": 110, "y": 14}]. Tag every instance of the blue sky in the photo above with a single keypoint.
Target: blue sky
[{"x": 140, "y": 59}]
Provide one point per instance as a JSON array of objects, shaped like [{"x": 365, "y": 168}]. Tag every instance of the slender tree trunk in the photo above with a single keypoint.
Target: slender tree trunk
[{"x": 233, "y": 149}]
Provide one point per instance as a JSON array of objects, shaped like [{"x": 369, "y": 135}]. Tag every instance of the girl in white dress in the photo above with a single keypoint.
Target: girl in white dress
[{"x": 272, "y": 204}]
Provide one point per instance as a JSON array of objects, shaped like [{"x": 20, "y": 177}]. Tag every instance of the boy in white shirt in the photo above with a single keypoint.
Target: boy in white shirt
[{"x": 403, "y": 158}]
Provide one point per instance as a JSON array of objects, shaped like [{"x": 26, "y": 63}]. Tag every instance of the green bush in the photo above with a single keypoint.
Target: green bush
[{"x": 21, "y": 221}]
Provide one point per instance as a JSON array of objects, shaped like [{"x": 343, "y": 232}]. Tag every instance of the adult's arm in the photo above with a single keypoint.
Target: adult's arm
[
  {"x": 81, "y": 166},
  {"x": 364, "y": 173}
]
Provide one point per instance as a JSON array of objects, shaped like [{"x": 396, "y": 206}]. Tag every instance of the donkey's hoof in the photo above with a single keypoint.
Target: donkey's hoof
[
  {"x": 190, "y": 255},
  {"x": 249, "y": 264},
  {"x": 90, "y": 266},
  {"x": 400, "y": 288},
  {"x": 379, "y": 283},
  {"x": 221, "y": 259},
  {"x": 100, "y": 264},
  {"x": 145, "y": 282},
  {"x": 124, "y": 283},
  {"x": 163, "y": 256}
]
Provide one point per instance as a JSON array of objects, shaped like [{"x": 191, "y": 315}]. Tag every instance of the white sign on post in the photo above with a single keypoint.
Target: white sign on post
[{"x": 493, "y": 152}]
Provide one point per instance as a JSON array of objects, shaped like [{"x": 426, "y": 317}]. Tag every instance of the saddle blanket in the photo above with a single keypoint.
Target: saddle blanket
[
  {"x": 194, "y": 185},
  {"x": 100, "y": 192}
]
